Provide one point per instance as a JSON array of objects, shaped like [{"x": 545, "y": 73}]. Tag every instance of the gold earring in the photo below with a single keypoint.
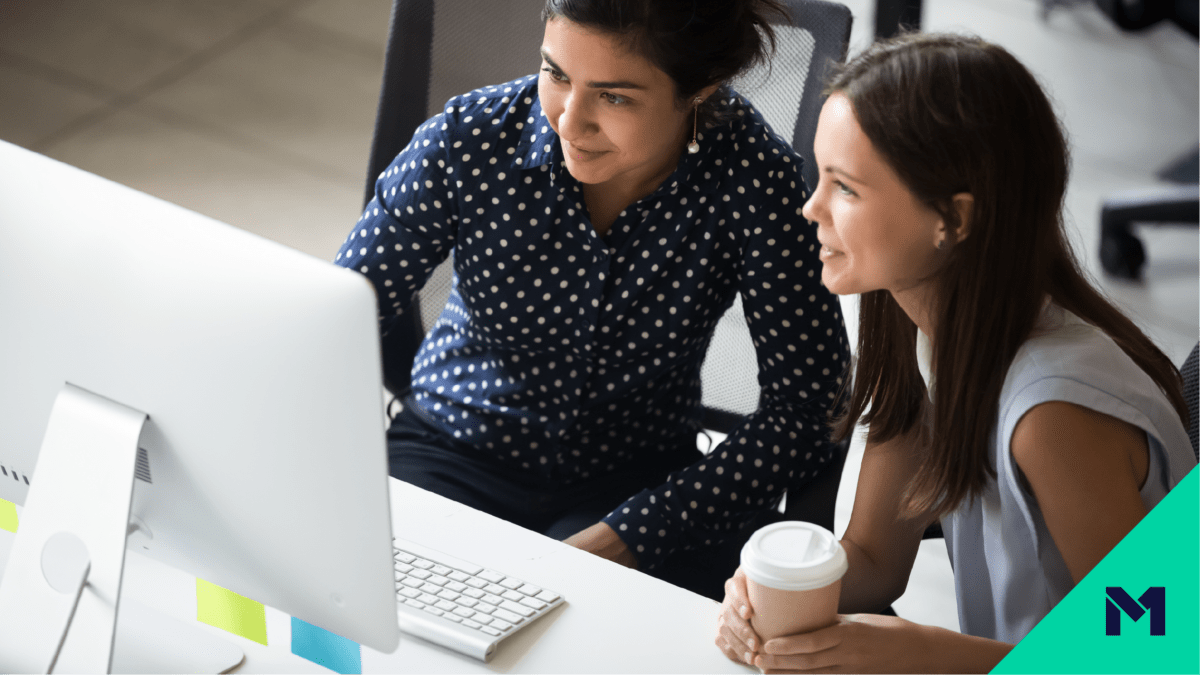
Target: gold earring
[{"x": 694, "y": 147}]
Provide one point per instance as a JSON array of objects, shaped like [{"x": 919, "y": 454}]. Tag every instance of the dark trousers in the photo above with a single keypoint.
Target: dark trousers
[{"x": 421, "y": 454}]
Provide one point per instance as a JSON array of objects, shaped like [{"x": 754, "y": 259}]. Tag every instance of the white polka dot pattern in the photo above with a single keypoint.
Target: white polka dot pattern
[{"x": 573, "y": 355}]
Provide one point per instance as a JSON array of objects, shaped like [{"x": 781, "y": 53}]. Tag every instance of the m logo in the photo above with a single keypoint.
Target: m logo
[{"x": 1153, "y": 601}]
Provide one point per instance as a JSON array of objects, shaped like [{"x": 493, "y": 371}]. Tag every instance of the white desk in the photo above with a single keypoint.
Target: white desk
[{"x": 615, "y": 620}]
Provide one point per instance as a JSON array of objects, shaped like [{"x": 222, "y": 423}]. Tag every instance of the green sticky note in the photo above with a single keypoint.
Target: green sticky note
[
  {"x": 229, "y": 611},
  {"x": 1138, "y": 611},
  {"x": 8, "y": 516}
]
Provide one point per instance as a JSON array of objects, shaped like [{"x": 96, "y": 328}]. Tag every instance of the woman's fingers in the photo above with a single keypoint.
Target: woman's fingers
[
  {"x": 735, "y": 636},
  {"x": 735, "y": 590},
  {"x": 806, "y": 643},
  {"x": 814, "y": 651}
]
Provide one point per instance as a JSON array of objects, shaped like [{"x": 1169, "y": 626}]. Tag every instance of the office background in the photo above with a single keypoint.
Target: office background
[{"x": 259, "y": 113}]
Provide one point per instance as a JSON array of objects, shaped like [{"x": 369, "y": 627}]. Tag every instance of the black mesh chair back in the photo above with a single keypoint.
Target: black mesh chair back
[
  {"x": 1190, "y": 378},
  {"x": 440, "y": 48},
  {"x": 788, "y": 94}
]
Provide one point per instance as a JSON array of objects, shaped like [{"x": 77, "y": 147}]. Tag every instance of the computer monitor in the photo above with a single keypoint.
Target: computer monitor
[{"x": 236, "y": 378}]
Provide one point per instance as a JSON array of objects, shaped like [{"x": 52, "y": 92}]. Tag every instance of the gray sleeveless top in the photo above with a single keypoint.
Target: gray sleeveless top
[{"x": 1008, "y": 573}]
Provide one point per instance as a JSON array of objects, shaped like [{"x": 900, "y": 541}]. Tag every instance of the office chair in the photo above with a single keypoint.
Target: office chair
[
  {"x": 1121, "y": 252},
  {"x": 437, "y": 49},
  {"x": 1190, "y": 377}
]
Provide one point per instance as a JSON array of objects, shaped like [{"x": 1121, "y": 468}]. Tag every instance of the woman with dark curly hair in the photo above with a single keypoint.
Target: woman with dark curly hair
[{"x": 602, "y": 216}]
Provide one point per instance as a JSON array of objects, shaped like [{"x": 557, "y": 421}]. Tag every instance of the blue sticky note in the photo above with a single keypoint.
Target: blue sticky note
[{"x": 320, "y": 646}]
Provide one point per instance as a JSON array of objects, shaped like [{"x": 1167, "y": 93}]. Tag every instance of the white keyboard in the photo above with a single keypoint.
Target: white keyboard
[{"x": 460, "y": 605}]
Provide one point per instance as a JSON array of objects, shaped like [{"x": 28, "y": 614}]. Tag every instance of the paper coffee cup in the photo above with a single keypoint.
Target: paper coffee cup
[{"x": 794, "y": 578}]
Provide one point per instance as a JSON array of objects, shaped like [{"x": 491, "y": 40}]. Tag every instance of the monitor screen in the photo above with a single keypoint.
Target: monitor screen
[{"x": 262, "y": 466}]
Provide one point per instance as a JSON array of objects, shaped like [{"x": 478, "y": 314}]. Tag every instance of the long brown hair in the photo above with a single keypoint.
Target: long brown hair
[{"x": 955, "y": 114}]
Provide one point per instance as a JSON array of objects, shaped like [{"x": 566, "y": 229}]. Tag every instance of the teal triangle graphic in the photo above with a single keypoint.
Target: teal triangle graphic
[{"x": 1162, "y": 551}]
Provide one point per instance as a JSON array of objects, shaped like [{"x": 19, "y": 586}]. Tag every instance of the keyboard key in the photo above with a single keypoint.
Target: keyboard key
[
  {"x": 474, "y": 593},
  {"x": 422, "y": 563},
  {"x": 476, "y": 583},
  {"x": 482, "y": 618},
  {"x": 456, "y": 587},
  {"x": 500, "y": 624},
  {"x": 405, "y": 557},
  {"x": 465, "y": 602},
  {"x": 514, "y": 607},
  {"x": 427, "y": 598},
  {"x": 401, "y": 567},
  {"x": 458, "y": 576},
  {"x": 485, "y": 608},
  {"x": 431, "y": 588},
  {"x": 530, "y": 590},
  {"x": 452, "y": 617},
  {"x": 472, "y": 624},
  {"x": 492, "y": 576},
  {"x": 464, "y": 612},
  {"x": 512, "y": 595},
  {"x": 547, "y": 596},
  {"x": 420, "y": 574},
  {"x": 447, "y": 606},
  {"x": 434, "y": 610},
  {"x": 489, "y": 630},
  {"x": 494, "y": 599},
  {"x": 452, "y": 596},
  {"x": 512, "y": 584},
  {"x": 414, "y": 603},
  {"x": 508, "y": 616},
  {"x": 494, "y": 589},
  {"x": 410, "y": 592},
  {"x": 532, "y": 602},
  {"x": 414, "y": 583},
  {"x": 438, "y": 579},
  {"x": 441, "y": 569}
]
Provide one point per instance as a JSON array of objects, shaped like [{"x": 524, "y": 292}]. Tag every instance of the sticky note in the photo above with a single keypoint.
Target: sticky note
[
  {"x": 8, "y": 516},
  {"x": 322, "y": 647},
  {"x": 229, "y": 611}
]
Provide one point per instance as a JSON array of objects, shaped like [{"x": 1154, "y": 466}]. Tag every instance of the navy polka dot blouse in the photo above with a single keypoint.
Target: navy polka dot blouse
[{"x": 572, "y": 355}]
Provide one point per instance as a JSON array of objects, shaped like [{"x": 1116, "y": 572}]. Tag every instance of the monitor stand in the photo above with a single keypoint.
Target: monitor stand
[
  {"x": 149, "y": 641},
  {"x": 60, "y": 590}
]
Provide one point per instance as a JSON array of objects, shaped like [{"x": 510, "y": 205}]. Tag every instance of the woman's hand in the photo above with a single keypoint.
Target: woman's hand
[
  {"x": 735, "y": 637},
  {"x": 872, "y": 643},
  {"x": 602, "y": 540},
  {"x": 857, "y": 643}
]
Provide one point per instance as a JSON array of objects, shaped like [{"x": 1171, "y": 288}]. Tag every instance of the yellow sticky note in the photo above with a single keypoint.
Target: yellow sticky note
[
  {"x": 229, "y": 611},
  {"x": 8, "y": 516}
]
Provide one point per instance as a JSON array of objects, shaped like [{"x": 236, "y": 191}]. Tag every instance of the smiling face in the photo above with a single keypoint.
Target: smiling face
[
  {"x": 615, "y": 113},
  {"x": 874, "y": 233}
]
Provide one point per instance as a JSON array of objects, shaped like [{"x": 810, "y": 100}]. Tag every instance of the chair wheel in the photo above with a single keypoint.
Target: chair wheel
[{"x": 1122, "y": 255}]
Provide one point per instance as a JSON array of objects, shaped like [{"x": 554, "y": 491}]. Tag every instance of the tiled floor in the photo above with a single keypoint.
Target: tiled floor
[{"x": 259, "y": 113}]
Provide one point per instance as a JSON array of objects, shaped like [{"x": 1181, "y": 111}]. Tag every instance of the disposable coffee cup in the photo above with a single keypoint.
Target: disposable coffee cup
[{"x": 793, "y": 578}]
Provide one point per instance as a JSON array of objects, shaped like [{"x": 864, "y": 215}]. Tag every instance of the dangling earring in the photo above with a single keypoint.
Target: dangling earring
[
  {"x": 694, "y": 147},
  {"x": 941, "y": 245}
]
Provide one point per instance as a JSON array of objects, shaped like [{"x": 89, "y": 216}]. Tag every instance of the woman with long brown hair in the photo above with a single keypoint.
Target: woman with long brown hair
[{"x": 1005, "y": 396}]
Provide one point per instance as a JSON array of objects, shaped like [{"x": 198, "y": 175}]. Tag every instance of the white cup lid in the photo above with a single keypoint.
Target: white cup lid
[{"x": 794, "y": 556}]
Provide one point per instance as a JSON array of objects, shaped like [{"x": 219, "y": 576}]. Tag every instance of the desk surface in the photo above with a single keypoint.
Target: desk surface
[{"x": 615, "y": 619}]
